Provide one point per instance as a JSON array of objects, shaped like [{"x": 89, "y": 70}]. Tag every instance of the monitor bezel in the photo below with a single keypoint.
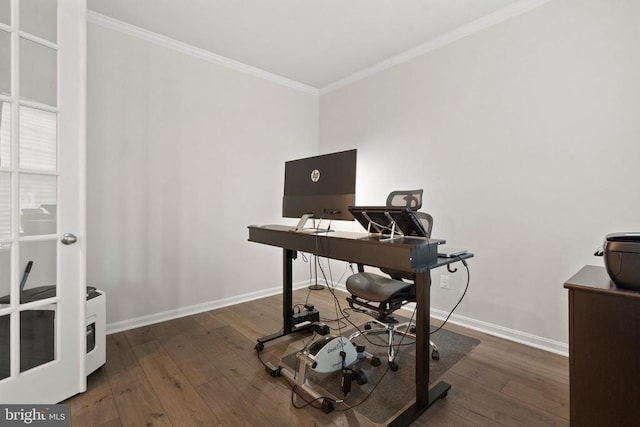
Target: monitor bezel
[{"x": 296, "y": 202}]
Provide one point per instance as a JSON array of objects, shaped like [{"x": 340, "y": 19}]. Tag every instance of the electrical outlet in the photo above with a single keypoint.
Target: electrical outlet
[{"x": 444, "y": 281}]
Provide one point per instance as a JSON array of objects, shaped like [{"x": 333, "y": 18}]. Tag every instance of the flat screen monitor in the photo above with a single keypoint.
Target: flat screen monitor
[{"x": 321, "y": 186}]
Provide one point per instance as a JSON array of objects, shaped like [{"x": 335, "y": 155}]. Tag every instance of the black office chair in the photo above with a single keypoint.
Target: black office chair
[{"x": 383, "y": 295}]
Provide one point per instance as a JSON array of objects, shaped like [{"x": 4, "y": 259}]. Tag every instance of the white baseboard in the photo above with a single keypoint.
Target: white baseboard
[
  {"x": 525, "y": 338},
  {"x": 162, "y": 316},
  {"x": 467, "y": 322}
]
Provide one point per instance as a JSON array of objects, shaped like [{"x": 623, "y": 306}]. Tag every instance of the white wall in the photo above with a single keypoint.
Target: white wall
[
  {"x": 183, "y": 154},
  {"x": 525, "y": 139}
]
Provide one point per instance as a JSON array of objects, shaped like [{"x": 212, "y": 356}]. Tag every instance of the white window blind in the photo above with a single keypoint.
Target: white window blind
[{"x": 38, "y": 131}]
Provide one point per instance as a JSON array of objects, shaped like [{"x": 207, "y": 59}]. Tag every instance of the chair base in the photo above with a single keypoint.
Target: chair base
[{"x": 391, "y": 329}]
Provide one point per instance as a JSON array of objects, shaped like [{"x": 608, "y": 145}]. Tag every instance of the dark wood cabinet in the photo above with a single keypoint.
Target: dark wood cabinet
[{"x": 604, "y": 351}]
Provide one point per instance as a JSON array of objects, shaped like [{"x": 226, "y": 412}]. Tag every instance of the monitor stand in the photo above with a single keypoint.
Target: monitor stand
[
  {"x": 300, "y": 229},
  {"x": 313, "y": 230}
]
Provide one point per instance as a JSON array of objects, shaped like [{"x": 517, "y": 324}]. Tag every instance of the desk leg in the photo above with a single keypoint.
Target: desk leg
[
  {"x": 424, "y": 397},
  {"x": 287, "y": 299},
  {"x": 287, "y": 289}
]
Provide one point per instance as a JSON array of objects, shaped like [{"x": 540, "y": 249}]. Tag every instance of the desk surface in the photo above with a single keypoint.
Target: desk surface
[{"x": 412, "y": 254}]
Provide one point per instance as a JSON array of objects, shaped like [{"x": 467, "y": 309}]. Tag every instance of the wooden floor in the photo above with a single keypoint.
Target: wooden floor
[{"x": 201, "y": 370}]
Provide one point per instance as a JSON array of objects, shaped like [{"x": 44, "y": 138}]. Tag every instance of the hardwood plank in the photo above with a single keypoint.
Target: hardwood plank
[
  {"x": 536, "y": 362},
  {"x": 176, "y": 327},
  {"x": 485, "y": 406},
  {"x": 247, "y": 325},
  {"x": 120, "y": 357},
  {"x": 541, "y": 393},
  {"x": 96, "y": 405},
  {"x": 230, "y": 406},
  {"x": 473, "y": 367},
  {"x": 193, "y": 363},
  {"x": 136, "y": 400},
  {"x": 111, "y": 423},
  {"x": 140, "y": 335},
  {"x": 208, "y": 321},
  {"x": 441, "y": 415},
  {"x": 183, "y": 405}
]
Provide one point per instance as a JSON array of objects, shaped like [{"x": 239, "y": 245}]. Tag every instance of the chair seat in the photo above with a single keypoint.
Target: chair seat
[{"x": 376, "y": 288}]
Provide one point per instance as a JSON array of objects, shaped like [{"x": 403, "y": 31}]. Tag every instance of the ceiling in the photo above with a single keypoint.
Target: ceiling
[{"x": 314, "y": 42}]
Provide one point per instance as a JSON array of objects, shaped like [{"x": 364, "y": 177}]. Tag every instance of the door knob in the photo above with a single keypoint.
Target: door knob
[{"x": 68, "y": 239}]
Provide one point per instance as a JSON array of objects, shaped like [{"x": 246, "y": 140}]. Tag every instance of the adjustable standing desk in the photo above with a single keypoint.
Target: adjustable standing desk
[{"x": 412, "y": 254}]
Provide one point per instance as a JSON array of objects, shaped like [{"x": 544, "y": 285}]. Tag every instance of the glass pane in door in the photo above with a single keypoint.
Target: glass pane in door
[
  {"x": 5, "y": 63},
  {"x": 5, "y": 353},
  {"x": 5, "y": 205},
  {"x": 38, "y": 17},
  {"x": 42, "y": 275},
  {"x": 37, "y": 337},
  {"x": 5, "y": 134},
  {"x": 38, "y": 73},
  {"x": 38, "y": 204},
  {"x": 5, "y": 274},
  {"x": 37, "y": 326},
  {"x": 38, "y": 130},
  {"x": 5, "y": 11}
]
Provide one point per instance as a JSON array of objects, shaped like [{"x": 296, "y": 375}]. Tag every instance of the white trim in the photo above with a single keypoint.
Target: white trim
[
  {"x": 525, "y": 338},
  {"x": 440, "y": 41},
  {"x": 205, "y": 55},
  {"x": 82, "y": 198},
  {"x": 38, "y": 40},
  {"x": 162, "y": 316},
  {"x": 38, "y": 106}
]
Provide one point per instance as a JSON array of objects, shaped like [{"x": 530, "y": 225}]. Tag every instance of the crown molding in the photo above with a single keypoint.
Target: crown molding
[
  {"x": 478, "y": 25},
  {"x": 473, "y": 27},
  {"x": 187, "y": 49}
]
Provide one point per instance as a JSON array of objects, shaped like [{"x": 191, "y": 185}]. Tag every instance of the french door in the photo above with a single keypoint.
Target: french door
[{"x": 42, "y": 196}]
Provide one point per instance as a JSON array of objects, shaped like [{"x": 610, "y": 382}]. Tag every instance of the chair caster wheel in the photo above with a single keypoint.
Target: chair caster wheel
[
  {"x": 435, "y": 355},
  {"x": 444, "y": 395},
  {"x": 361, "y": 377},
  {"x": 327, "y": 406},
  {"x": 375, "y": 361},
  {"x": 259, "y": 346},
  {"x": 412, "y": 329},
  {"x": 393, "y": 366},
  {"x": 367, "y": 326}
]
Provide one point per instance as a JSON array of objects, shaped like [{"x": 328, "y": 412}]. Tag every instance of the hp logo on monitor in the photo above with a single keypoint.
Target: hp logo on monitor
[{"x": 315, "y": 175}]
